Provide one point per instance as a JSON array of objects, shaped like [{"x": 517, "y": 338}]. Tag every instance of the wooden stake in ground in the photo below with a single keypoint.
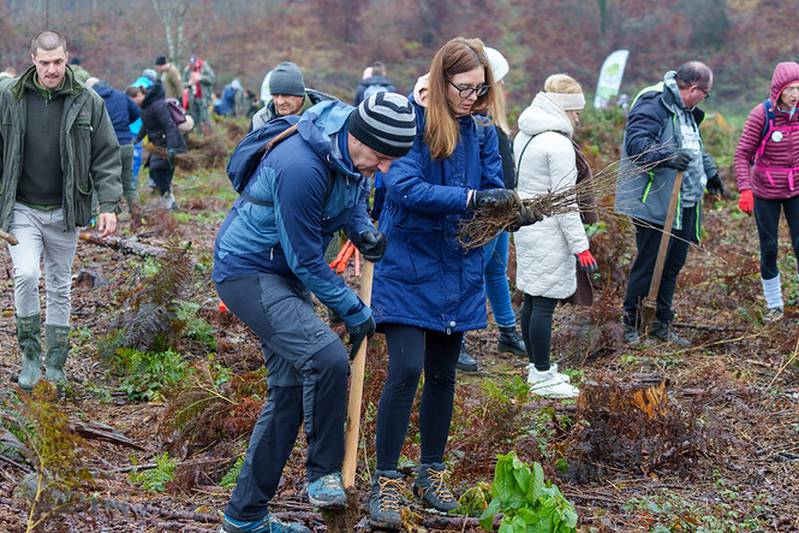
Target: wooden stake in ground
[
  {"x": 356, "y": 389},
  {"x": 649, "y": 304},
  {"x": 9, "y": 237}
]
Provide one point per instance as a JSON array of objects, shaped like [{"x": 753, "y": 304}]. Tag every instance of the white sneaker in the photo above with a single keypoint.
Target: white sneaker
[
  {"x": 168, "y": 201},
  {"x": 534, "y": 376},
  {"x": 774, "y": 314},
  {"x": 550, "y": 384}
]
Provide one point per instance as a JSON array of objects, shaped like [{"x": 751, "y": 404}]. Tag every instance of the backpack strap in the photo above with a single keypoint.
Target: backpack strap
[
  {"x": 271, "y": 143},
  {"x": 768, "y": 109}
]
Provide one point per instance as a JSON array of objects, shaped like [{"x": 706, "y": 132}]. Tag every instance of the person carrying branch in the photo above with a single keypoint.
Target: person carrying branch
[
  {"x": 767, "y": 172},
  {"x": 427, "y": 289},
  {"x": 547, "y": 253},
  {"x": 48, "y": 174},
  {"x": 269, "y": 257},
  {"x": 663, "y": 129}
]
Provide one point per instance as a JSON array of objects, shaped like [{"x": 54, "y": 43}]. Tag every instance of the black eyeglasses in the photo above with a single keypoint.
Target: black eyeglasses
[
  {"x": 705, "y": 91},
  {"x": 466, "y": 92}
]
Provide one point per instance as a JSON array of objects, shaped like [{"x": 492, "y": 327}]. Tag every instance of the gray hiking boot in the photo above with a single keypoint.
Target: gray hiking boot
[
  {"x": 466, "y": 363},
  {"x": 430, "y": 487},
  {"x": 267, "y": 524},
  {"x": 57, "y": 342},
  {"x": 29, "y": 330},
  {"x": 631, "y": 336},
  {"x": 327, "y": 492},
  {"x": 664, "y": 332},
  {"x": 385, "y": 500}
]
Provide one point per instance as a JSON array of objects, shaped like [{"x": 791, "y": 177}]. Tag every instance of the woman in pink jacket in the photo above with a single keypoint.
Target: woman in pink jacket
[{"x": 767, "y": 172}]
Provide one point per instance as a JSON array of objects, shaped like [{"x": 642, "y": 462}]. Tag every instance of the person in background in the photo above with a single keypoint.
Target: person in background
[
  {"x": 198, "y": 80},
  {"x": 231, "y": 102},
  {"x": 427, "y": 289},
  {"x": 547, "y": 253},
  {"x": 663, "y": 130},
  {"x": 375, "y": 82},
  {"x": 10, "y": 72},
  {"x": 169, "y": 76},
  {"x": 496, "y": 271},
  {"x": 289, "y": 96},
  {"x": 123, "y": 112},
  {"x": 80, "y": 73},
  {"x": 766, "y": 164},
  {"x": 158, "y": 126},
  {"x": 61, "y": 149}
]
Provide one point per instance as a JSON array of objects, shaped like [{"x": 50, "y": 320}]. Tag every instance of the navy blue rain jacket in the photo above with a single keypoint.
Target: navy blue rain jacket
[
  {"x": 122, "y": 110},
  {"x": 426, "y": 279},
  {"x": 314, "y": 191}
]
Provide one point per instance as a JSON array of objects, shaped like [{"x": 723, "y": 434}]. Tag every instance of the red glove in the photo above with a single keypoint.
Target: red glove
[
  {"x": 746, "y": 202},
  {"x": 587, "y": 261}
]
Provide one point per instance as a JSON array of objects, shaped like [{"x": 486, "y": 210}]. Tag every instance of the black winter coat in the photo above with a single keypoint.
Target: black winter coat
[{"x": 157, "y": 123}]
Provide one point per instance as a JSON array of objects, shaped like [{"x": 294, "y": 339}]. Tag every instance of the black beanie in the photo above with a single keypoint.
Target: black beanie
[
  {"x": 286, "y": 78},
  {"x": 160, "y": 60},
  {"x": 385, "y": 122}
]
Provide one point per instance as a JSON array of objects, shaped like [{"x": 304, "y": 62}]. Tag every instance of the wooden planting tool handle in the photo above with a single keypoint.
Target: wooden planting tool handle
[
  {"x": 356, "y": 389},
  {"x": 649, "y": 306}
]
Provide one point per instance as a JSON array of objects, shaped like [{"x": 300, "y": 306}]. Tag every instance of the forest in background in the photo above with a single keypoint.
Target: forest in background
[{"x": 332, "y": 40}]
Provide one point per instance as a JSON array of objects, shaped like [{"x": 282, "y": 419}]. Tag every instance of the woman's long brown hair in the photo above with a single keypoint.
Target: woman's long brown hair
[{"x": 457, "y": 56}]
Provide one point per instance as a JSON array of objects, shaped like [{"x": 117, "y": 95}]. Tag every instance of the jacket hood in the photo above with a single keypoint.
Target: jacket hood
[
  {"x": 156, "y": 92},
  {"x": 319, "y": 125},
  {"x": 103, "y": 89},
  {"x": 420, "y": 90},
  {"x": 376, "y": 80},
  {"x": 784, "y": 74},
  {"x": 544, "y": 115}
]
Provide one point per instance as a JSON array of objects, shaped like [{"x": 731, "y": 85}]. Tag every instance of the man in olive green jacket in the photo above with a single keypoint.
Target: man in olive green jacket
[
  {"x": 170, "y": 78},
  {"x": 47, "y": 177}
]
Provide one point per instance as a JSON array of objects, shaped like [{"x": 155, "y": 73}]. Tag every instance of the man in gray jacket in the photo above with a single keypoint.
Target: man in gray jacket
[
  {"x": 48, "y": 175},
  {"x": 663, "y": 129}
]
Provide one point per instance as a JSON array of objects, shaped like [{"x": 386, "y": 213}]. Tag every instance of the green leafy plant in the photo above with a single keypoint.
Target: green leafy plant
[
  {"x": 53, "y": 450},
  {"x": 195, "y": 327},
  {"x": 527, "y": 502},
  {"x": 229, "y": 480},
  {"x": 156, "y": 479},
  {"x": 147, "y": 374}
]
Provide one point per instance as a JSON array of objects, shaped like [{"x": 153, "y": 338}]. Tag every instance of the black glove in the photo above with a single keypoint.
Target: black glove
[
  {"x": 359, "y": 333},
  {"x": 679, "y": 161},
  {"x": 170, "y": 156},
  {"x": 526, "y": 217},
  {"x": 715, "y": 185},
  {"x": 371, "y": 243},
  {"x": 493, "y": 198}
]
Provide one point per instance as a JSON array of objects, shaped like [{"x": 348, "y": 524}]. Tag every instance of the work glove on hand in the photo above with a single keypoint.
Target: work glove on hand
[
  {"x": 715, "y": 185},
  {"x": 680, "y": 160},
  {"x": 170, "y": 156},
  {"x": 360, "y": 332},
  {"x": 587, "y": 262},
  {"x": 525, "y": 217},
  {"x": 493, "y": 198},
  {"x": 371, "y": 243},
  {"x": 746, "y": 202}
]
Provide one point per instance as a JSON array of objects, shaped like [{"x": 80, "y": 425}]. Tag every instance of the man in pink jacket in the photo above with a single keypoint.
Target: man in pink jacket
[{"x": 767, "y": 173}]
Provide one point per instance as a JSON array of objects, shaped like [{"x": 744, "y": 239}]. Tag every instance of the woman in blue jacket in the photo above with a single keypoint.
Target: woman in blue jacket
[{"x": 428, "y": 290}]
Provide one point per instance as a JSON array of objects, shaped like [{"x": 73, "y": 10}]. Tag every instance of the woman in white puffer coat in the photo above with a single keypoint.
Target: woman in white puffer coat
[{"x": 545, "y": 252}]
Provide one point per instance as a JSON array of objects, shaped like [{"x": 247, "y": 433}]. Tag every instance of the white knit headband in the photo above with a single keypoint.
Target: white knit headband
[{"x": 568, "y": 101}]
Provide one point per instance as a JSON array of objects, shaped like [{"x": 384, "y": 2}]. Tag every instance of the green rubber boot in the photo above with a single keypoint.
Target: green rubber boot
[
  {"x": 57, "y": 342},
  {"x": 29, "y": 330}
]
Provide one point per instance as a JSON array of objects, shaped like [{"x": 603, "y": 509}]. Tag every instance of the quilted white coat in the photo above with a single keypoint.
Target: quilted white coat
[{"x": 545, "y": 251}]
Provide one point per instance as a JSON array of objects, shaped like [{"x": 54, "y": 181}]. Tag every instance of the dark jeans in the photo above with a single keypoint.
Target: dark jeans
[
  {"x": 537, "y": 329},
  {"x": 767, "y": 218},
  {"x": 409, "y": 350},
  {"x": 307, "y": 371},
  {"x": 647, "y": 240},
  {"x": 162, "y": 173}
]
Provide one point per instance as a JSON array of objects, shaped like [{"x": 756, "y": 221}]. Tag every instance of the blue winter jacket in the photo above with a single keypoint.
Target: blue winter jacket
[
  {"x": 122, "y": 110},
  {"x": 426, "y": 279},
  {"x": 314, "y": 191}
]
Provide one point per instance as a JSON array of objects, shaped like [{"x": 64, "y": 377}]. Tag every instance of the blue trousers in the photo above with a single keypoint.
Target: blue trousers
[
  {"x": 307, "y": 371},
  {"x": 496, "y": 280}
]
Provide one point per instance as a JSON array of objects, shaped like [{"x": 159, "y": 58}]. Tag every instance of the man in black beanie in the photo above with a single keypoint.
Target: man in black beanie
[
  {"x": 289, "y": 95},
  {"x": 268, "y": 258},
  {"x": 169, "y": 75}
]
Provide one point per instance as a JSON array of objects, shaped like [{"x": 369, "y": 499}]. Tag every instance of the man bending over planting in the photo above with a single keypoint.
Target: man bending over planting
[{"x": 268, "y": 258}]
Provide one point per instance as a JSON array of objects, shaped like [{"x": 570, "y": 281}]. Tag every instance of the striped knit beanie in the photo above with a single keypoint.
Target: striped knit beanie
[{"x": 385, "y": 122}]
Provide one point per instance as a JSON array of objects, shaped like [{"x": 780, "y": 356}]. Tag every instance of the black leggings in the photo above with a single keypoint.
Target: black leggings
[
  {"x": 409, "y": 350},
  {"x": 767, "y": 217},
  {"x": 537, "y": 329}
]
